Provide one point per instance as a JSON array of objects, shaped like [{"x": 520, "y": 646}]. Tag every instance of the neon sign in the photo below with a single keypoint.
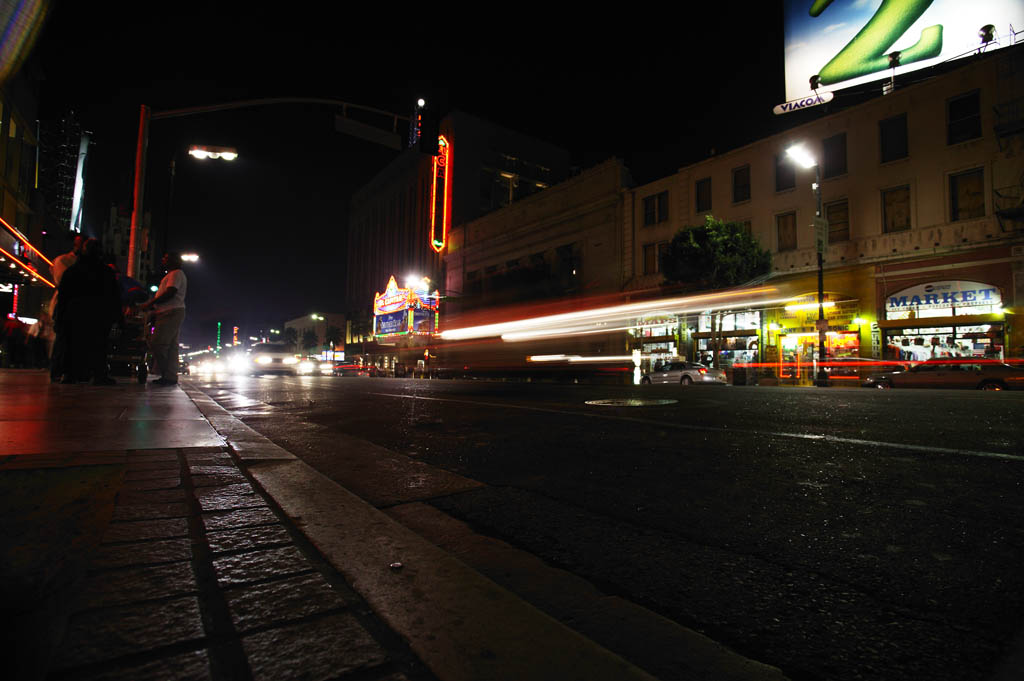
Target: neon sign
[
  {"x": 440, "y": 196},
  {"x": 405, "y": 311}
]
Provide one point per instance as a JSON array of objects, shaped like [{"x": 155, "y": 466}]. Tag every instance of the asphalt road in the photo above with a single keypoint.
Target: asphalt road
[{"x": 836, "y": 533}]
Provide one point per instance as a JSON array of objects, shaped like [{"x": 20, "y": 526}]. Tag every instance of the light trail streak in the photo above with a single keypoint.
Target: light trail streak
[{"x": 570, "y": 322}]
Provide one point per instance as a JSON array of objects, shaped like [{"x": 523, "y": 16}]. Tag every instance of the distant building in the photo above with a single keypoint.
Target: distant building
[
  {"x": 327, "y": 332},
  {"x": 115, "y": 236},
  {"x": 390, "y": 217},
  {"x": 566, "y": 241},
  {"x": 21, "y": 204}
]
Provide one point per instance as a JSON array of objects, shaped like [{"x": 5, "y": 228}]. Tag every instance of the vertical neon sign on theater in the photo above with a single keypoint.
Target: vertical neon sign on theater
[{"x": 440, "y": 195}]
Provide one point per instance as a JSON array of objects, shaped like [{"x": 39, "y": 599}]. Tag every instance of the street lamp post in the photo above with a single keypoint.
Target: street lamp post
[
  {"x": 146, "y": 115},
  {"x": 320, "y": 318},
  {"x": 804, "y": 159}
]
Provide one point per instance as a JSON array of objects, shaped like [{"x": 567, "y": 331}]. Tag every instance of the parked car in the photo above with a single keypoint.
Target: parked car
[
  {"x": 685, "y": 373},
  {"x": 973, "y": 373}
]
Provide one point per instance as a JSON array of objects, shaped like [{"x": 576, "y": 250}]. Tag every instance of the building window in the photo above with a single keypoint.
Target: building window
[
  {"x": 741, "y": 184},
  {"x": 653, "y": 255},
  {"x": 785, "y": 174},
  {"x": 896, "y": 209},
  {"x": 748, "y": 227},
  {"x": 963, "y": 118},
  {"x": 892, "y": 135},
  {"x": 838, "y": 216},
  {"x": 834, "y": 149},
  {"x": 786, "y": 225},
  {"x": 967, "y": 195},
  {"x": 655, "y": 208},
  {"x": 650, "y": 258},
  {"x": 702, "y": 192}
]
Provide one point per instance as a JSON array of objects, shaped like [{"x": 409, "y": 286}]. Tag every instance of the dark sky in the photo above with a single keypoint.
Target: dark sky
[{"x": 659, "y": 90}]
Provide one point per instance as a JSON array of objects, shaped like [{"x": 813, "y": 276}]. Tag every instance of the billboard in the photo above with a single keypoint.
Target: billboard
[{"x": 843, "y": 43}]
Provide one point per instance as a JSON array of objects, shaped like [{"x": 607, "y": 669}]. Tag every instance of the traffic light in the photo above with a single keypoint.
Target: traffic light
[{"x": 430, "y": 130}]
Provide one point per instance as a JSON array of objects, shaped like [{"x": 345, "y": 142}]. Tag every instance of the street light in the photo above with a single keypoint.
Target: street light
[
  {"x": 320, "y": 318},
  {"x": 204, "y": 152},
  {"x": 803, "y": 158}
]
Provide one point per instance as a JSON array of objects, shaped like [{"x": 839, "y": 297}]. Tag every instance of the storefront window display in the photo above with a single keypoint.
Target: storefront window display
[
  {"x": 657, "y": 340},
  {"x": 739, "y": 341},
  {"x": 944, "y": 302},
  {"x": 800, "y": 351}
]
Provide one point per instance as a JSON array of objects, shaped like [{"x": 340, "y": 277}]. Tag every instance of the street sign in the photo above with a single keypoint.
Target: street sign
[{"x": 821, "y": 234}]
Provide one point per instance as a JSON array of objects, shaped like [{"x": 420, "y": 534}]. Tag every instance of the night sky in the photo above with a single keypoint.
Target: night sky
[{"x": 659, "y": 90}]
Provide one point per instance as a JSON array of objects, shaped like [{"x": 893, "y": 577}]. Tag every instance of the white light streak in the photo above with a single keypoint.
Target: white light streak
[{"x": 599, "y": 320}]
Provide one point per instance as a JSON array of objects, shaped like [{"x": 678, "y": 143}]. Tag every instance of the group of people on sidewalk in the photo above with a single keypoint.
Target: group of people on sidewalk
[{"x": 92, "y": 296}]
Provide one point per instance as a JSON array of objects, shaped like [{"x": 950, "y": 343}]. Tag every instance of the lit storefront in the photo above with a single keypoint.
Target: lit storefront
[
  {"x": 738, "y": 333},
  {"x": 657, "y": 339},
  {"x": 793, "y": 334},
  {"x": 949, "y": 318}
]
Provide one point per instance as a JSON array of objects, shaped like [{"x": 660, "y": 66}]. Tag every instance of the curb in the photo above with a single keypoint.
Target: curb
[{"x": 462, "y": 625}]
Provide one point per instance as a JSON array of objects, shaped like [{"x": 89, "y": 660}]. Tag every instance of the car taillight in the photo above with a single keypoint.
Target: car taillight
[{"x": 702, "y": 371}]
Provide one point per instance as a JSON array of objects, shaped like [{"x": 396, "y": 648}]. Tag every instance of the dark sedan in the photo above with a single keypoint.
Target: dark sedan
[{"x": 972, "y": 373}]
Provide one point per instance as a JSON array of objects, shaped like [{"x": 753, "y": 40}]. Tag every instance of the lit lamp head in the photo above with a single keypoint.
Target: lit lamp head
[
  {"x": 799, "y": 155},
  {"x": 204, "y": 152}
]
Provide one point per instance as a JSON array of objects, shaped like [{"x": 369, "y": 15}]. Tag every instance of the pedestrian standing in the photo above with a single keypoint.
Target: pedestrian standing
[
  {"x": 88, "y": 304},
  {"x": 168, "y": 306},
  {"x": 60, "y": 265}
]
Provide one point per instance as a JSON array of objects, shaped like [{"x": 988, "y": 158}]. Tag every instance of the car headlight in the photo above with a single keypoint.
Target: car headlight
[
  {"x": 305, "y": 367},
  {"x": 291, "y": 360},
  {"x": 326, "y": 367},
  {"x": 264, "y": 359}
]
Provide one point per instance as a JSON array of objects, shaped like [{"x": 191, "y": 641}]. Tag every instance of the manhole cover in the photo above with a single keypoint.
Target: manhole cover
[{"x": 629, "y": 402}]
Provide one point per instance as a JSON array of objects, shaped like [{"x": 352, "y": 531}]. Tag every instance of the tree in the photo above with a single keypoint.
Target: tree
[
  {"x": 309, "y": 339},
  {"x": 290, "y": 336},
  {"x": 715, "y": 255},
  {"x": 333, "y": 336}
]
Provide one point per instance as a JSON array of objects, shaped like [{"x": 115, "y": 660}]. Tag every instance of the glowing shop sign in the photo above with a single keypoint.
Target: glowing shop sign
[
  {"x": 944, "y": 294},
  {"x": 401, "y": 311},
  {"x": 440, "y": 195}
]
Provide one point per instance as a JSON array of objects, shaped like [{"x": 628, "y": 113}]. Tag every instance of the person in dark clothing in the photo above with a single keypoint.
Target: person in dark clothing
[{"x": 88, "y": 303}]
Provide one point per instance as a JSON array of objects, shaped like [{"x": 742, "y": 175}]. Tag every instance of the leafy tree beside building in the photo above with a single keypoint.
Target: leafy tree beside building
[{"x": 715, "y": 255}]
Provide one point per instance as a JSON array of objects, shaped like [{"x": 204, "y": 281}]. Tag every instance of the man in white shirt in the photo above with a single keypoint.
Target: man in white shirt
[
  {"x": 60, "y": 265},
  {"x": 168, "y": 306}
]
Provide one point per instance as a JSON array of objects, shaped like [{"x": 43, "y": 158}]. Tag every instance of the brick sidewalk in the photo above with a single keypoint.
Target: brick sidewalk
[{"x": 197, "y": 578}]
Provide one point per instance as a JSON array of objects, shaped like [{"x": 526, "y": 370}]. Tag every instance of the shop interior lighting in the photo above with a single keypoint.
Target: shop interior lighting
[
  {"x": 809, "y": 306},
  {"x": 859, "y": 320}
]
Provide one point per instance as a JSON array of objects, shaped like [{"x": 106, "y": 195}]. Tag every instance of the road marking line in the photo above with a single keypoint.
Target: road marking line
[{"x": 715, "y": 429}]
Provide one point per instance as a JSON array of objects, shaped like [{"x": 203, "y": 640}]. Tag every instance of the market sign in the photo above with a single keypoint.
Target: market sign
[{"x": 943, "y": 294}]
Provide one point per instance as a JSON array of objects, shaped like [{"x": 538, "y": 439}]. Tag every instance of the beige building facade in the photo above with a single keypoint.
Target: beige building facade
[{"x": 926, "y": 180}]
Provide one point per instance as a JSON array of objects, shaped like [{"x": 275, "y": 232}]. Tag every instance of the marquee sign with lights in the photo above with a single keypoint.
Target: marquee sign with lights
[
  {"x": 440, "y": 195},
  {"x": 406, "y": 311}
]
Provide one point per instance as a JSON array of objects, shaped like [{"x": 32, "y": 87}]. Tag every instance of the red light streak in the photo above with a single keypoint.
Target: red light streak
[
  {"x": 20, "y": 237},
  {"x": 28, "y": 268}
]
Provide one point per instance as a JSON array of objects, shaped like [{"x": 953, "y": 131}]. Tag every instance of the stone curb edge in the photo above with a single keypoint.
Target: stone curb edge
[
  {"x": 489, "y": 632},
  {"x": 463, "y": 626}
]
